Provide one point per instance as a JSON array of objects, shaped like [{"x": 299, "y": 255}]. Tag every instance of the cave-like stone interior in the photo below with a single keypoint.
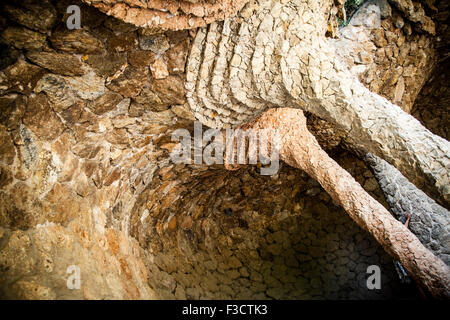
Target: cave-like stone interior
[{"x": 86, "y": 177}]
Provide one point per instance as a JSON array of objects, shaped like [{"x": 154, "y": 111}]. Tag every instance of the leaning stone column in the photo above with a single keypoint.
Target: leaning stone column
[
  {"x": 275, "y": 54},
  {"x": 429, "y": 221},
  {"x": 299, "y": 148}
]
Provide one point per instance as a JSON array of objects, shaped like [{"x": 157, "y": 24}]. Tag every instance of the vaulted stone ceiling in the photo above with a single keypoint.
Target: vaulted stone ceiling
[
  {"x": 86, "y": 178},
  {"x": 163, "y": 15}
]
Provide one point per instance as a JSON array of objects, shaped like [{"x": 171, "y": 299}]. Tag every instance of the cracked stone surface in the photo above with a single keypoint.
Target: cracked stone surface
[
  {"x": 161, "y": 15},
  {"x": 429, "y": 222},
  {"x": 86, "y": 179},
  {"x": 299, "y": 148},
  {"x": 274, "y": 54}
]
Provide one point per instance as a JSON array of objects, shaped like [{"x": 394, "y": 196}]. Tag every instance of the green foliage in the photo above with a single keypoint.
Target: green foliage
[
  {"x": 354, "y": 2},
  {"x": 350, "y": 8},
  {"x": 341, "y": 22}
]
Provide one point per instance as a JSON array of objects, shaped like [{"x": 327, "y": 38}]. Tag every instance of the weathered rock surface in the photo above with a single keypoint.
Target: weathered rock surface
[
  {"x": 76, "y": 41},
  {"x": 169, "y": 15},
  {"x": 415, "y": 12},
  {"x": 237, "y": 70},
  {"x": 23, "y": 38},
  {"x": 431, "y": 107},
  {"x": 86, "y": 177},
  {"x": 26, "y": 13},
  {"x": 388, "y": 60},
  {"x": 429, "y": 222},
  {"x": 285, "y": 239},
  {"x": 41, "y": 119},
  {"x": 59, "y": 63}
]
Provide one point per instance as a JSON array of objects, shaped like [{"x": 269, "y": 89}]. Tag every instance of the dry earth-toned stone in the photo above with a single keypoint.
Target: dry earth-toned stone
[{"x": 104, "y": 194}]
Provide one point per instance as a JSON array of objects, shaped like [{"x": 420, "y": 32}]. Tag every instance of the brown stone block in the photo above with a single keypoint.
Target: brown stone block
[
  {"x": 170, "y": 90},
  {"x": 36, "y": 15},
  {"x": 106, "y": 64},
  {"x": 86, "y": 149},
  {"x": 118, "y": 136},
  {"x": 41, "y": 119},
  {"x": 59, "y": 63},
  {"x": 122, "y": 42},
  {"x": 76, "y": 41},
  {"x": 6, "y": 177},
  {"x": 7, "y": 149},
  {"x": 113, "y": 176},
  {"x": 23, "y": 38},
  {"x": 105, "y": 103},
  {"x": 141, "y": 58},
  {"x": 20, "y": 77},
  {"x": 130, "y": 82},
  {"x": 177, "y": 57}
]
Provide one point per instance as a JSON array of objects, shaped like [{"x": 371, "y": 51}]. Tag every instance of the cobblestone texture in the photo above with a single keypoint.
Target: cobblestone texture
[
  {"x": 429, "y": 222},
  {"x": 85, "y": 176},
  {"x": 161, "y": 15},
  {"x": 273, "y": 54},
  {"x": 238, "y": 235}
]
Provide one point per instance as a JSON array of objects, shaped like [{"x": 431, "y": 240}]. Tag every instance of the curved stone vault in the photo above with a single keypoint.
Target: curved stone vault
[{"x": 86, "y": 178}]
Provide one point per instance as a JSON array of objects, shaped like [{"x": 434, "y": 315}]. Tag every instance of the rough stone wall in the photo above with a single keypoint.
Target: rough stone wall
[
  {"x": 429, "y": 221},
  {"x": 85, "y": 179},
  {"x": 34, "y": 262},
  {"x": 402, "y": 60},
  {"x": 79, "y": 114},
  {"x": 239, "y": 235},
  {"x": 432, "y": 105},
  {"x": 163, "y": 15},
  {"x": 276, "y": 54},
  {"x": 390, "y": 56}
]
